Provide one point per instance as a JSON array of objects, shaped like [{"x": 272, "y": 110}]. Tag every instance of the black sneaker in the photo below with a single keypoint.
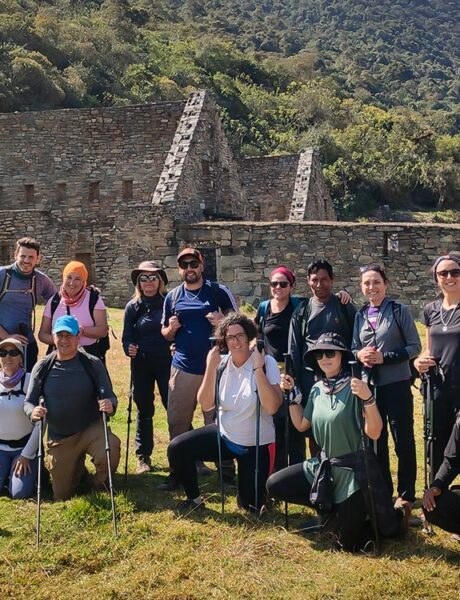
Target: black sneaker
[
  {"x": 170, "y": 484},
  {"x": 187, "y": 507}
]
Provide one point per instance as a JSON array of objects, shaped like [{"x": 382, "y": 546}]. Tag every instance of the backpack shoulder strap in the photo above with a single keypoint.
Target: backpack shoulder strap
[
  {"x": 6, "y": 282},
  {"x": 296, "y": 300},
  {"x": 55, "y": 303},
  {"x": 396, "y": 308},
  {"x": 263, "y": 307},
  {"x": 44, "y": 369},
  {"x": 93, "y": 298}
]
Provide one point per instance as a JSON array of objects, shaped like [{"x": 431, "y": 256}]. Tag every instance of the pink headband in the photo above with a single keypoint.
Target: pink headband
[{"x": 284, "y": 271}]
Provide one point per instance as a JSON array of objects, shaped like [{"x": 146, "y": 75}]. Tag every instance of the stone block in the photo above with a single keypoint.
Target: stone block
[{"x": 235, "y": 261}]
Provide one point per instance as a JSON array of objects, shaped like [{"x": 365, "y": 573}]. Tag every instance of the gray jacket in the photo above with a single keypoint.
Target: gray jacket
[{"x": 395, "y": 336}]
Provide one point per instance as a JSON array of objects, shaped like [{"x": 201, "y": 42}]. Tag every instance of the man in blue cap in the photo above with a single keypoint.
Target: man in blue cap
[{"x": 76, "y": 388}]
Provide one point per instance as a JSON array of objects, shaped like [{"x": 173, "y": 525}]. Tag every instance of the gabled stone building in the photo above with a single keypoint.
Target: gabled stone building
[{"x": 114, "y": 186}]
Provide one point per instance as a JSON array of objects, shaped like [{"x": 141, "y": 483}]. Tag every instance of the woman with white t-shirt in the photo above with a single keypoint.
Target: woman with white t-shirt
[
  {"x": 75, "y": 298},
  {"x": 241, "y": 379}
]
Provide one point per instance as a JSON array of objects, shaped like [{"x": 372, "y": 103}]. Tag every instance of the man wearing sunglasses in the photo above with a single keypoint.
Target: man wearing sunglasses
[
  {"x": 21, "y": 284},
  {"x": 190, "y": 313}
]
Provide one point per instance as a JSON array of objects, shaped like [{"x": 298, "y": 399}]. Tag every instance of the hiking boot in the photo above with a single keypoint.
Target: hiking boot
[
  {"x": 143, "y": 465},
  {"x": 170, "y": 484},
  {"x": 186, "y": 507},
  {"x": 406, "y": 508},
  {"x": 202, "y": 469}
]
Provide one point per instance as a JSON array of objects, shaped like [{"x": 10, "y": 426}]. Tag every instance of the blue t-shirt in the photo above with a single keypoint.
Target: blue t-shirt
[{"x": 191, "y": 307}]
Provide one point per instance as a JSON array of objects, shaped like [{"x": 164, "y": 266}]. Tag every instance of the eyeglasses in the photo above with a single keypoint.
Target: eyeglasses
[
  {"x": 239, "y": 337},
  {"x": 452, "y": 272},
  {"x": 14, "y": 352},
  {"x": 318, "y": 354},
  {"x": 281, "y": 284},
  {"x": 145, "y": 278},
  {"x": 185, "y": 264}
]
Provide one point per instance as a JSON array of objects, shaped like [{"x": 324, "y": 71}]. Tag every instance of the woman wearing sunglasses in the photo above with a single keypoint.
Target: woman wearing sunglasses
[
  {"x": 442, "y": 352},
  {"x": 18, "y": 436},
  {"x": 234, "y": 384},
  {"x": 149, "y": 352},
  {"x": 385, "y": 339},
  {"x": 273, "y": 319},
  {"x": 84, "y": 303},
  {"x": 337, "y": 408}
]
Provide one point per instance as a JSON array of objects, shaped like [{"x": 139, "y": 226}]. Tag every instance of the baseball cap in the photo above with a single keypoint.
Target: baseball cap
[
  {"x": 191, "y": 252},
  {"x": 67, "y": 323}
]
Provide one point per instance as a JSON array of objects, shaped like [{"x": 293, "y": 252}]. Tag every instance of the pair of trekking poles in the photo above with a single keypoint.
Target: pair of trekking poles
[{"x": 39, "y": 472}]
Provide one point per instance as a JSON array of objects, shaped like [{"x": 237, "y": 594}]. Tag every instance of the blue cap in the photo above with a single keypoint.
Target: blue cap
[{"x": 67, "y": 323}]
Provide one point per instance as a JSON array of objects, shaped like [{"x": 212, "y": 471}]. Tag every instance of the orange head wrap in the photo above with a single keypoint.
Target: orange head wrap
[{"x": 76, "y": 267}]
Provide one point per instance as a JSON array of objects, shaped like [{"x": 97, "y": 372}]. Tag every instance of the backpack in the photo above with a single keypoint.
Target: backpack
[{"x": 101, "y": 345}]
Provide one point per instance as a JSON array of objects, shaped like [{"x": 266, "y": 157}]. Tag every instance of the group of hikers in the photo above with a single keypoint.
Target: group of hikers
[{"x": 345, "y": 378}]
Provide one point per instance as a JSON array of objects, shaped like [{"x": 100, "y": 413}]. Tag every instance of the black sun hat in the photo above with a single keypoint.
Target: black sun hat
[
  {"x": 327, "y": 341},
  {"x": 151, "y": 267}
]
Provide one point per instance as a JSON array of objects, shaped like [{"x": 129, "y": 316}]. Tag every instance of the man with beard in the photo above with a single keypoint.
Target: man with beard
[
  {"x": 190, "y": 313},
  {"x": 21, "y": 284}
]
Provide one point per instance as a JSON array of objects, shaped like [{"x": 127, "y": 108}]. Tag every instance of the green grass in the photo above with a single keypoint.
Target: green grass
[{"x": 158, "y": 555}]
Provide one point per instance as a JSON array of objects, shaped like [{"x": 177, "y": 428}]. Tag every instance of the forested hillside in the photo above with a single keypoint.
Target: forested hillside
[{"x": 374, "y": 84}]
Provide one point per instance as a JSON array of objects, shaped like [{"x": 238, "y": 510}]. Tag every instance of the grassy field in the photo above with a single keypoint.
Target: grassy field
[{"x": 158, "y": 555}]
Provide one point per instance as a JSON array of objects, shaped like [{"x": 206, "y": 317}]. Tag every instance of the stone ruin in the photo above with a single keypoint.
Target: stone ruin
[{"x": 114, "y": 186}]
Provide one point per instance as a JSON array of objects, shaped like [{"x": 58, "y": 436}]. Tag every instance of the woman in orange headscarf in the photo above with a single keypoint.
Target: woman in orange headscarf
[{"x": 84, "y": 303}]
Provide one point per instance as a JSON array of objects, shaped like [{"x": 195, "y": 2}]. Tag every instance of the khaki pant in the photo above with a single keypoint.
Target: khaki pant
[
  {"x": 183, "y": 388},
  {"x": 65, "y": 458}
]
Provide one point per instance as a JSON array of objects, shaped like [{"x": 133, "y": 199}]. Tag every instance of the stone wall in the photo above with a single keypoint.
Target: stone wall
[
  {"x": 71, "y": 158},
  {"x": 269, "y": 185},
  {"x": 246, "y": 253}
]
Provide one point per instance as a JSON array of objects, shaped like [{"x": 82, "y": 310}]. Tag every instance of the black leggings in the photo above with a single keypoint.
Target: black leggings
[
  {"x": 350, "y": 522},
  {"x": 446, "y": 404},
  {"x": 201, "y": 444},
  {"x": 446, "y": 515},
  {"x": 396, "y": 407}
]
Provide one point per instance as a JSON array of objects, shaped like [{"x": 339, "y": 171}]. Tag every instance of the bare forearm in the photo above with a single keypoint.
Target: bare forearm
[
  {"x": 372, "y": 422},
  {"x": 297, "y": 418},
  {"x": 168, "y": 333}
]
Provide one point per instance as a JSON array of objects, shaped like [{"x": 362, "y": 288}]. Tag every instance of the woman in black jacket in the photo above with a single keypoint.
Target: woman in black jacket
[{"x": 149, "y": 352}]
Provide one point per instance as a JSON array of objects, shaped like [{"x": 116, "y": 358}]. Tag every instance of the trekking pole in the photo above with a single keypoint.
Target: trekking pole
[
  {"x": 107, "y": 450},
  {"x": 39, "y": 477},
  {"x": 213, "y": 341},
  {"x": 355, "y": 372},
  {"x": 260, "y": 347},
  {"x": 286, "y": 394},
  {"x": 130, "y": 408},
  {"x": 428, "y": 437}
]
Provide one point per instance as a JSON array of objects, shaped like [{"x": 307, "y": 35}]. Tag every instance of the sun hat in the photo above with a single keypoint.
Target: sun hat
[
  {"x": 14, "y": 342},
  {"x": 327, "y": 341},
  {"x": 151, "y": 267}
]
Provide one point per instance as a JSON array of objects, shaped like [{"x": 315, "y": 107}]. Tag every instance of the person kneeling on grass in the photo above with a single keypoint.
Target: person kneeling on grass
[
  {"x": 76, "y": 388},
  {"x": 234, "y": 383},
  {"x": 441, "y": 505},
  {"x": 335, "y": 484}
]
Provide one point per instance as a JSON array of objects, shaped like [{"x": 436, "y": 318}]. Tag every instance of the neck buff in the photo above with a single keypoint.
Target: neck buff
[
  {"x": 11, "y": 381},
  {"x": 333, "y": 385},
  {"x": 19, "y": 274},
  {"x": 72, "y": 300}
]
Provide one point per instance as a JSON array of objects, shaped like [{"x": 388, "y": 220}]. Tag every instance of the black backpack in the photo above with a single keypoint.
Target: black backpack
[{"x": 102, "y": 344}]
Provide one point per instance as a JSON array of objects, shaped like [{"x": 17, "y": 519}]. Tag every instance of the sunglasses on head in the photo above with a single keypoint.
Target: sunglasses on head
[
  {"x": 14, "y": 352},
  {"x": 281, "y": 284},
  {"x": 145, "y": 278},
  {"x": 371, "y": 267},
  {"x": 185, "y": 264},
  {"x": 445, "y": 272},
  {"x": 318, "y": 354}
]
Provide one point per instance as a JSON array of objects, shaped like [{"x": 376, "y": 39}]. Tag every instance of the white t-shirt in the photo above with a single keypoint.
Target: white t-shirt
[{"x": 237, "y": 403}]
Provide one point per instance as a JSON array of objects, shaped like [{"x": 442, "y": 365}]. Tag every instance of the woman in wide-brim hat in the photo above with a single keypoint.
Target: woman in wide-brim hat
[
  {"x": 149, "y": 352},
  {"x": 337, "y": 408},
  {"x": 18, "y": 436}
]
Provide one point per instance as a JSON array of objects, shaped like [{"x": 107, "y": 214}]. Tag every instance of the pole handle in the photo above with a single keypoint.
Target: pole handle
[{"x": 355, "y": 369}]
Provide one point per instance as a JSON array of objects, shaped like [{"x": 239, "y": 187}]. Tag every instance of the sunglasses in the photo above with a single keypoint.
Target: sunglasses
[
  {"x": 239, "y": 337},
  {"x": 185, "y": 264},
  {"x": 14, "y": 352},
  {"x": 318, "y": 354},
  {"x": 281, "y": 284},
  {"x": 452, "y": 272},
  {"x": 145, "y": 278}
]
